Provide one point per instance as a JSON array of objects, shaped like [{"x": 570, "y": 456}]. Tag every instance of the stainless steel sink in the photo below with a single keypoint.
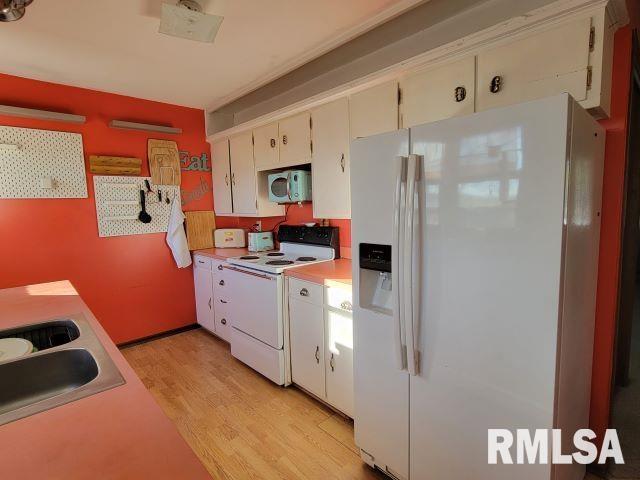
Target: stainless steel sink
[{"x": 70, "y": 364}]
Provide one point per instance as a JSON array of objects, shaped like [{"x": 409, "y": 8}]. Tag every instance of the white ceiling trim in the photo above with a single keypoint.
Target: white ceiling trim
[{"x": 378, "y": 19}]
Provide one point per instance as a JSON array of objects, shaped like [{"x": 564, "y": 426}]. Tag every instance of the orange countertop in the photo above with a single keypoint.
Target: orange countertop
[
  {"x": 222, "y": 253},
  {"x": 116, "y": 434},
  {"x": 324, "y": 273}
]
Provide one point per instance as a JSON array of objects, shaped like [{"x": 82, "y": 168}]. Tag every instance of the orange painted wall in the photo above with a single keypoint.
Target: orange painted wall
[
  {"x": 610, "y": 234},
  {"x": 130, "y": 283}
]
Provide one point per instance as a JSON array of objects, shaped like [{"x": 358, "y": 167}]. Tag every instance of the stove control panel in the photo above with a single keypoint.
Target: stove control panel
[{"x": 322, "y": 236}]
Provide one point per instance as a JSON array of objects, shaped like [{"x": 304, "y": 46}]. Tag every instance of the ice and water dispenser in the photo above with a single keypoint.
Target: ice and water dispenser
[{"x": 375, "y": 278}]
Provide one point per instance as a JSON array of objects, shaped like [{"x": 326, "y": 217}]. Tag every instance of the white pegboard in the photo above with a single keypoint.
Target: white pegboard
[
  {"x": 28, "y": 156},
  {"x": 118, "y": 205}
]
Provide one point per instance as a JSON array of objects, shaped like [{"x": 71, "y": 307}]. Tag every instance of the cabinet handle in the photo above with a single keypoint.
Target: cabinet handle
[
  {"x": 221, "y": 283},
  {"x": 220, "y": 267},
  {"x": 200, "y": 261},
  {"x": 346, "y": 305},
  {"x": 209, "y": 303},
  {"x": 460, "y": 94},
  {"x": 342, "y": 162},
  {"x": 233, "y": 179},
  {"x": 284, "y": 139},
  {"x": 317, "y": 354},
  {"x": 226, "y": 179},
  {"x": 496, "y": 84},
  {"x": 332, "y": 363},
  {"x": 223, "y": 301},
  {"x": 304, "y": 292},
  {"x": 273, "y": 143},
  {"x": 223, "y": 321}
]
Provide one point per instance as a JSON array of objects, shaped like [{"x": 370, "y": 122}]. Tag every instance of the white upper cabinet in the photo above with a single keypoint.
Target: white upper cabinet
[
  {"x": 437, "y": 93},
  {"x": 266, "y": 147},
  {"x": 295, "y": 140},
  {"x": 374, "y": 110},
  {"x": 243, "y": 175},
  {"x": 543, "y": 64},
  {"x": 221, "y": 172},
  {"x": 330, "y": 160}
]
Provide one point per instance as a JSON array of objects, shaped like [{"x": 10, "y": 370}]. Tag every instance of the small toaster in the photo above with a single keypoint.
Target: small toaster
[{"x": 229, "y": 238}]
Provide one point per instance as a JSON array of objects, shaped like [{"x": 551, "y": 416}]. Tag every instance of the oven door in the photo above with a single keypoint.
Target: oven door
[
  {"x": 255, "y": 304},
  {"x": 280, "y": 187}
]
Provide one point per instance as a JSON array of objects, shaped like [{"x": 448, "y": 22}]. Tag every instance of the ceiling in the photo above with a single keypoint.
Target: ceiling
[{"x": 114, "y": 45}]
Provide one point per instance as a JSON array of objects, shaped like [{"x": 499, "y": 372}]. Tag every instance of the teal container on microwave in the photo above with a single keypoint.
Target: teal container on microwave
[{"x": 291, "y": 186}]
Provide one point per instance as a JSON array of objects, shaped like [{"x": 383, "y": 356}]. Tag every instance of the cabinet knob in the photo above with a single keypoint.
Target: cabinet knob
[
  {"x": 221, "y": 283},
  {"x": 226, "y": 179},
  {"x": 220, "y": 267},
  {"x": 209, "y": 304},
  {"x": 284, "y": 139},
  {"x": 273, "y": 143},
  {"x": 304, "y": 292},
  {"x": 223, "y": 321},
  {"x": 460, "y": 93},
  {"x": 496, "y": 84},
  {"x": 332, "y": 363},
  {"x": 346, "y": 305},
  {"x": 317, "y": 354},
  {"x": 342, "y": 162}
]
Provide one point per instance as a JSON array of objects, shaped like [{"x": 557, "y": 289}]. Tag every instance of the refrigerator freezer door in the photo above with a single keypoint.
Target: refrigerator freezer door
[
  {"x": 492, "y": 223},
  {"x": 381, "y": 389}
]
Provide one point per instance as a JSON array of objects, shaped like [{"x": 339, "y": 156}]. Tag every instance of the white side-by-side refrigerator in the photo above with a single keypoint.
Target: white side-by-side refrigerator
[{"x": 475, "y": 251}]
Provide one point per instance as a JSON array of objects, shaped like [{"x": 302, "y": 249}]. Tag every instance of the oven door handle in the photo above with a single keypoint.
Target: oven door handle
[{"x": 255, "y": 274}]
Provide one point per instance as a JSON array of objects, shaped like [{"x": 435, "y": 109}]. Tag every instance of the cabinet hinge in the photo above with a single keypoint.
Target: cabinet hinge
[
  {"x": 310, "y": 122},
  {"x": 592, "y": 38},
  {"x": 589, "y": 77},
  {"x": 399, "y": 96},
  {"x": 256, "y": 205},
  {"x": 253, "y": 140},
  {"x": 311, "y": 145}
]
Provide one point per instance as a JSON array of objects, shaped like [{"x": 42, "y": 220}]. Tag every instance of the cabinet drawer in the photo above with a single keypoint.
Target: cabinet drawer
[
  {"x": 340, "y": 298},
  {"x": 202, "y": 262},
  {"x": 309, "y": 292}
]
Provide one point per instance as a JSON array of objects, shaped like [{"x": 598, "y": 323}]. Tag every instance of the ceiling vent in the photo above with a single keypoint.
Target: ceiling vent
[
  {"x": 186, "y": 20},
  {"x": 12, "y": 10}
]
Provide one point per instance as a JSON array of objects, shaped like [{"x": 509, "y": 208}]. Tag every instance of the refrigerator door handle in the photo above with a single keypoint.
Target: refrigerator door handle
[
  {"x": 397, "y": 260},
  {"x": 411, "y": 267}
]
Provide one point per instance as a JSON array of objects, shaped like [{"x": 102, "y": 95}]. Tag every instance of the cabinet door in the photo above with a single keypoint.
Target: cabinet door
[
  {"x": 374, "y": 110},
  {"x": 543, "y": 64},
  {"x": 203, "y": 282},
  {"x": 295, "y": 140},
  {"x": 243, "y": 174},
  {"x": 221, "y": 172},
  {"x": 438, "y": 93},
  {"x": 330, "y": 160},
  {"x": 266, "y": 147},
  {"x": 339, "y": 359},
  {"x": 306, "y": 325}
]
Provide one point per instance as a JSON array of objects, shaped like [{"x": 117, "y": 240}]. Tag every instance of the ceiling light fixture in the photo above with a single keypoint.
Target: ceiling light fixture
[
  {"x": 186, "y": 20},
  {"x": 12, "y": 10}
]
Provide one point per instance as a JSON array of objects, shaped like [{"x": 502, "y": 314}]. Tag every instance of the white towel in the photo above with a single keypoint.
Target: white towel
[{"x": 176, "y": 238}]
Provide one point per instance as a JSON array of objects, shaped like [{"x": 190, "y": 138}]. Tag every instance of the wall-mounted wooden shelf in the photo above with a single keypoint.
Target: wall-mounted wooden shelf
[
  {"x": 124, "y": 125},
  {"x": 41, "y": 114}
]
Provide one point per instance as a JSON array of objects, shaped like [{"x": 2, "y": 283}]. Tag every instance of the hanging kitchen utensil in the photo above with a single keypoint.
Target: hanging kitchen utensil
[{"x": 144, "y": 217}]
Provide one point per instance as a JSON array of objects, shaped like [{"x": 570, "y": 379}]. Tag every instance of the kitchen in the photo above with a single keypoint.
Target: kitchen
[{"x": 360, "y": 221}]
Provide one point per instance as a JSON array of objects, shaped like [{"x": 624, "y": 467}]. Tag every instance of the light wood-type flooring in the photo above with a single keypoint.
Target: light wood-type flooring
[{"x": 241, "y": 425}]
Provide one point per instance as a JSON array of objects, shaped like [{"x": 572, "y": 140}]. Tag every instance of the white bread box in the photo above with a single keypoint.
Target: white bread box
[{"x": 230, "y": 238}]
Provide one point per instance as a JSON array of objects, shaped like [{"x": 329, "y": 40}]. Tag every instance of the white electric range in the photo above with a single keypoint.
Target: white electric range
[{"x": 256, "y": 297}]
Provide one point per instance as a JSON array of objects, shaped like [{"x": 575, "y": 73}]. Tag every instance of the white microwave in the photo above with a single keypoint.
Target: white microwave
[{"x": 291, "y": 186}]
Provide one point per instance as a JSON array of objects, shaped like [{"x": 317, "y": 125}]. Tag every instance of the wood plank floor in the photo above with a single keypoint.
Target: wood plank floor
[{"x": 240, "y": 424}]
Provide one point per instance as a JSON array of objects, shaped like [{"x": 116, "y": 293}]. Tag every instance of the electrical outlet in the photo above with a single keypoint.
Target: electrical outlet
[{"x": 259, "y": 225}]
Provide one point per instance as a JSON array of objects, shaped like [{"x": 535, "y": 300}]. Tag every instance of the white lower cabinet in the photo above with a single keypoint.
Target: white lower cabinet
[
  {"x": 209, "y": 281},
  {"x": 321, "y": 339}
]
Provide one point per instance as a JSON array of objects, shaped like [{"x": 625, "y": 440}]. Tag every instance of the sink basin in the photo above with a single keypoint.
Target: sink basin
[{"x": 70, "y": 364}]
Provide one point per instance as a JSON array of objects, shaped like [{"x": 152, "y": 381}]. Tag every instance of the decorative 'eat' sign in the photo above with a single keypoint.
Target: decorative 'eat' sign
[{"x": 190, "y": 164}]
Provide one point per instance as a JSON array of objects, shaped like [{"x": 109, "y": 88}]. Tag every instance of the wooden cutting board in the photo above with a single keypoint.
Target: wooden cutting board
[
  {"x": 164, "y": 162},
  {"x": 106, "y": 165},
  {"x": 200, "y": 227}
]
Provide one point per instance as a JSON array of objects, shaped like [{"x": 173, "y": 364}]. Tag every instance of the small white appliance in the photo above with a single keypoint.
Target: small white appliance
[
  {"x": 290, "y": 186},
  {"x": 260, "y": 241},
  {"x": 229, "y": 238},
  {"x": 474, "y": 284},
  {"x": 256, "y": 300}
]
